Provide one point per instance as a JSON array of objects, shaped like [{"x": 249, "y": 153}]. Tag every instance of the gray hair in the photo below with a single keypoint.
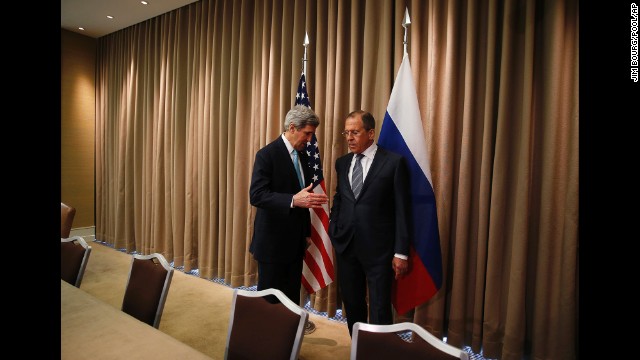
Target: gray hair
[{"x": 301, "y": 116}]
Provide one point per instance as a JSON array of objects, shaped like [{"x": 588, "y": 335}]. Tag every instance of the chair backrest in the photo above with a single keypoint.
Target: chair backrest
[
  {"x": 147, "y": 288},
  {"x": 371, "y": 341},
  {"x": 67, "y": 215},
  {"x": 260, "y": 327},
  {"x": 74, "y": 255}
]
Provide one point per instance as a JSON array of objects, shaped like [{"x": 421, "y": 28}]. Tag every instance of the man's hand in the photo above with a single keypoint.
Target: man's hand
[
  {"x": 307, "y": 199},
  {"x": 400, "y": 267}
]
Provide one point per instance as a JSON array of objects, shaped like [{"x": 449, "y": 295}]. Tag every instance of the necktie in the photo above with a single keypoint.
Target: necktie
[
  {"x": 297, "y": 166},
  {"x": 356, "y": 177}
]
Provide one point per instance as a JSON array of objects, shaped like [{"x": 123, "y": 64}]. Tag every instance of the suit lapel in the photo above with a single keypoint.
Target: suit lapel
[
  {"x": 344, "y": 174},
  {"x": 284, "y": 153},
  {"x": 306, "y": 170},
  {"x": 376, "y": 165}
]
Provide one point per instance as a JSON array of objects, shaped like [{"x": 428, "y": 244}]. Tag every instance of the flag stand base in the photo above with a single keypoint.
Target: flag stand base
[{"x": 309, "y": 328}]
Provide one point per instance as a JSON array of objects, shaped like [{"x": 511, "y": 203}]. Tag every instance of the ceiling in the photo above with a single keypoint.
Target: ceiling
[{"x": 92, "y": 14}]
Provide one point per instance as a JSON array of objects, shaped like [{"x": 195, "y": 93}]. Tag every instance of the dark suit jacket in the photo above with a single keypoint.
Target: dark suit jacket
[
  {"x": 378, "y": 222},
  {"x": 279, "y": 231}
]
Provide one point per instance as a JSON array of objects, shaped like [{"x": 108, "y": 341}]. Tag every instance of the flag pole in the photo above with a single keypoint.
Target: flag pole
[
  {"x": 405, "y": 24},
  {"x": 304, "y": 59},
  {"x": 310, "y": 326}
]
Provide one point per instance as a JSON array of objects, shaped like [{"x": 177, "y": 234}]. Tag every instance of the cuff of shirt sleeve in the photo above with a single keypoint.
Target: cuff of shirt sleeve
[{"x": 403, "y": 257}]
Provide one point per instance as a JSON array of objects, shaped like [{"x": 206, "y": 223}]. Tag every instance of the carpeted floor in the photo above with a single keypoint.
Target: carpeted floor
[{"x": 197, "y": 310}]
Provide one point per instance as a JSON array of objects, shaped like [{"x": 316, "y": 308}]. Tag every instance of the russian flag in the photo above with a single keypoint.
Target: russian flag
[{"x": 402, "y": 133}]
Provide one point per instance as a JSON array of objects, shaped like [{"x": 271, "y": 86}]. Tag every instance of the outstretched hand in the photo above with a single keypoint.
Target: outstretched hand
[{"x": 307, "y": 199}]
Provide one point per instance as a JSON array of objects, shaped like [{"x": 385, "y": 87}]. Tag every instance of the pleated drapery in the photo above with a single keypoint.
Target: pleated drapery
[{"x": 185, "y": 100}]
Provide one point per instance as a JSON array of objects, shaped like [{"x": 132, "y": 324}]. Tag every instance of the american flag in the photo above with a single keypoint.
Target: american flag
[{"x": 317, "y": 271}]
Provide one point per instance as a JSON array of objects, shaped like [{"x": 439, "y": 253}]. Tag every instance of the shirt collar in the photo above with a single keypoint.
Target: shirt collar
[
  {"x": 287, "y": 143},
  {"x": 370, "y": 152}
]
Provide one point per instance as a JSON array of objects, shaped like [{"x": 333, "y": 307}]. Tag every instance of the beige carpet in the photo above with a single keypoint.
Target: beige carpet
[{"x": 197, "y": 310}]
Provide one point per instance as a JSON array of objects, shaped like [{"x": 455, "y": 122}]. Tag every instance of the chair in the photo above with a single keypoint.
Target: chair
[
  {"x": 74, "y": 255},
  {"x": 67, "y": 215},
  {"x": 371, "y": 341},
  {"x": 147, "y": 288},
  {"x": 261, "y": 328}
]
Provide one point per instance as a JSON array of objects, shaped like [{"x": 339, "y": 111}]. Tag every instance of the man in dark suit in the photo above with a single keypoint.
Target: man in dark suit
[
  {"x": 369, "y": 222},
  {"x": 282, "y": 226}
]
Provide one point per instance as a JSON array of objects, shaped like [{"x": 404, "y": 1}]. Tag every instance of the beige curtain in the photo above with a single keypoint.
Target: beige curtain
[{"x": 184, "y": 100}]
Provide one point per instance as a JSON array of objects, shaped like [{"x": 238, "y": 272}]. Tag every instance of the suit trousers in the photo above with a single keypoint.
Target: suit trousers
[
  {"x": 355, "y": 277},
  {"x": 286, "y": 277}
]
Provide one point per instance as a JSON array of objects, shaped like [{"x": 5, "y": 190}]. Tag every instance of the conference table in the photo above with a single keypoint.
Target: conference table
[{"x": 93, "y": 329}]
